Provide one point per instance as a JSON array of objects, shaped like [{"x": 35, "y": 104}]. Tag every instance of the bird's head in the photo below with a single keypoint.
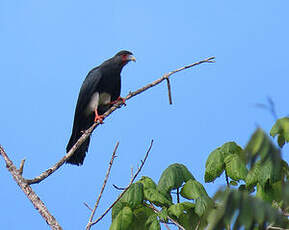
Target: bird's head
[{"x": 123, "y": 57}]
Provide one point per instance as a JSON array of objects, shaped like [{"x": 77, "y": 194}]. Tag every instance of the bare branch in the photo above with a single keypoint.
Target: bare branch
[
  {"x": 21, "y": 166},
  {"x": 86, "y": 205},
  {"x": 227, "y": 179},
  {"x": 31, "y": 195},
  {"x": 121, "y": 195},
  {"x": 88, "y": 132},
  {"x": 166, "y": 225},
  {"x": 274, "y": 227},
  {"x": 118, "y": 188},
  {"x": 271, "y": 107},
  {"x": 169, "y": 91},
  {"x": 103, "y": 187}
]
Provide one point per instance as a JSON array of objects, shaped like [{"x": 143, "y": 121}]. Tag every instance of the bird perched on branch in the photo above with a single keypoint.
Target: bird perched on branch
[{"x": 99, "y": 91}]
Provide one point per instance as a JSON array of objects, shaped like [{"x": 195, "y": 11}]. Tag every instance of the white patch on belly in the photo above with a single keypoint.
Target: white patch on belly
[
  {"x": 96, "y": 99},
  {"x": 104, "y": 98}
]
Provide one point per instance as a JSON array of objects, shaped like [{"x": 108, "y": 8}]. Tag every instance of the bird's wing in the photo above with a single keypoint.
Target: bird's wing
[{"x": 88, "y": 88}]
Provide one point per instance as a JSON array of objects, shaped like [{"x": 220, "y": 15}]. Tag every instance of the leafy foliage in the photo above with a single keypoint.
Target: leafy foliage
[
  {"x": 146, "y": 205},
  {"x": 216, "y": 164},
  {"x": 135, "y": 209},
  {"x": 173, "y": 177},
  {"x": 281, "y": 129},
  {"x": 242, "y": 210}
]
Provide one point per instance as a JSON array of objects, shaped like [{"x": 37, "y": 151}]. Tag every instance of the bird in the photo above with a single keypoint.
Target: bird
[{"x": 99, "y": 91}]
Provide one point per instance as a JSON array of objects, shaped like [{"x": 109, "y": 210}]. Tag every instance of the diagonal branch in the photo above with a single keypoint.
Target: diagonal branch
[
  {"x": 88, "y": 132},
  {"x": 121, "y": 195},
  {"x": 169, "y": 218},
  {"x": 31, "y": 195},
  {"x": 103, "y": 186}
]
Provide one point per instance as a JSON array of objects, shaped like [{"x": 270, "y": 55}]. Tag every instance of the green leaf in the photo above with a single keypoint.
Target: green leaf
[
  {"x": 163, "y": 215},
  {"x": 285, "y": 170},
  {"x": 123, "y": 220},
  {"x": 152, "y": 223},
  {"x": 281, "y": 129},
  {"x": 173, "y": 177},
  {"x": 253, "y": 175},
  {"x": 140, "y": 216},
  {"x": 243, "y": 211},
  {"x": 269, "y": 173},
  {"x": 156, "y": 197},
  {"x": 270, "y": 192},
  {"x": 214, "y": 165},
  {"x": 261, "y": 145},
  {"x": 255, "y": 144},
  {"x": 147, "y": 182},
  {"x": 235, "y": 167},
  {"x": 233, "y": 183},
  {"x": 134, "y": 196},
  {"x": 155, "y": 225},
  {"x": 116, "y": 209},
  {"x": 231, "y": 148},
  {"x": 193, "y": 189},
  {"x": 202, "y": 204},
  {"x": 281, "y": 141},
  {"x": 189, "y": 220},
  {"x": 215, "y": 162},
  {"x": 178, "y": 209}
]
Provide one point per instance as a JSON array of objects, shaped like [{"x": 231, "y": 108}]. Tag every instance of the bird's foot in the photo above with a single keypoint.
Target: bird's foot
[
  {"x": 98, "y": 118},
  {"x": 117, "y": 100}
]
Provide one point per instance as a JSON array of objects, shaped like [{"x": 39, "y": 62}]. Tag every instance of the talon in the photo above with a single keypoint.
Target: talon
[
  {"x": 117, "y": 100},
  {"x": 98, "y": 118},
  {"x": 122, "y": 99}
]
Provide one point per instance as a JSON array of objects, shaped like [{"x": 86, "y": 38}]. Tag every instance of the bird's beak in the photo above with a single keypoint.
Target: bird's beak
[{"x": 131, "y": 58}]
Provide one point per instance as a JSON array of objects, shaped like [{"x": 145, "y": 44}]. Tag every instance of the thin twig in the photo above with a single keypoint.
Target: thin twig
[
  {"x": 169, "y": 91},
  {"x": 21, "y": 166},
  {"x": 271, "y": 107},
  {"x": 131, "y": 172},
  {"x": 88, "y": 132},
  {"x": 88, "y": 206},
  {"x": 227, "y": 179},
  {"x": 274, "y": 227},
  {"x": 132, "y": 180},
  {"x": 178, "y": 199},
  {"x": 166, "y": 225},
  {"x": 169, "y": 218},
  {"x": 178, "y": 195},
  {"x": 31, "y": 195},
  {"x": 118, "y": 188},
  {"x": 103, "y": 187}
]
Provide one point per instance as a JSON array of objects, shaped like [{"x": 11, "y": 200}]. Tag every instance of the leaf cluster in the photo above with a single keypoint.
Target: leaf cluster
[
  {"x": 146, "y": 204},
  {"x": 259, "y": 200}
]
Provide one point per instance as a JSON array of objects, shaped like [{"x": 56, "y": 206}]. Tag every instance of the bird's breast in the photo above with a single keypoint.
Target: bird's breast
[{"x": 96, "y": 100}]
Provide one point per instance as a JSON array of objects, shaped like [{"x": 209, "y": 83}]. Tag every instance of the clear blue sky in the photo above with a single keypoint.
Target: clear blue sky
[{"x": 47, "y": 48}]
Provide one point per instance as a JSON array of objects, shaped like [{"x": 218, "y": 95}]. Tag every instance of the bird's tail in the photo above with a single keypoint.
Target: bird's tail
[{"x": 78, "y": 156}]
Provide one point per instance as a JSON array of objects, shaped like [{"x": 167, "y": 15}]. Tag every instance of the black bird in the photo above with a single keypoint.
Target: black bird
[{"x": 100, "y": 89}]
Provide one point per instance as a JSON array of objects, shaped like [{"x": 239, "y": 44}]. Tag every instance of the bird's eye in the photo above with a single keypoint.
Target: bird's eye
[{"x": 124, "y": 57}]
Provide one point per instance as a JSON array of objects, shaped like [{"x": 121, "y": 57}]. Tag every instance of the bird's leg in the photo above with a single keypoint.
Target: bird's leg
[
  {"x": 117, "y": 100},
  {"x": 98, "y": 117}
]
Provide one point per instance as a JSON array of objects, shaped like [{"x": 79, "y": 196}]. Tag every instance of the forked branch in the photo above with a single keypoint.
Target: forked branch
[
  {"x": 103, "y": 186},
  {"x": 31, "y": 195},
  {"x": 121, "y": 195}
]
